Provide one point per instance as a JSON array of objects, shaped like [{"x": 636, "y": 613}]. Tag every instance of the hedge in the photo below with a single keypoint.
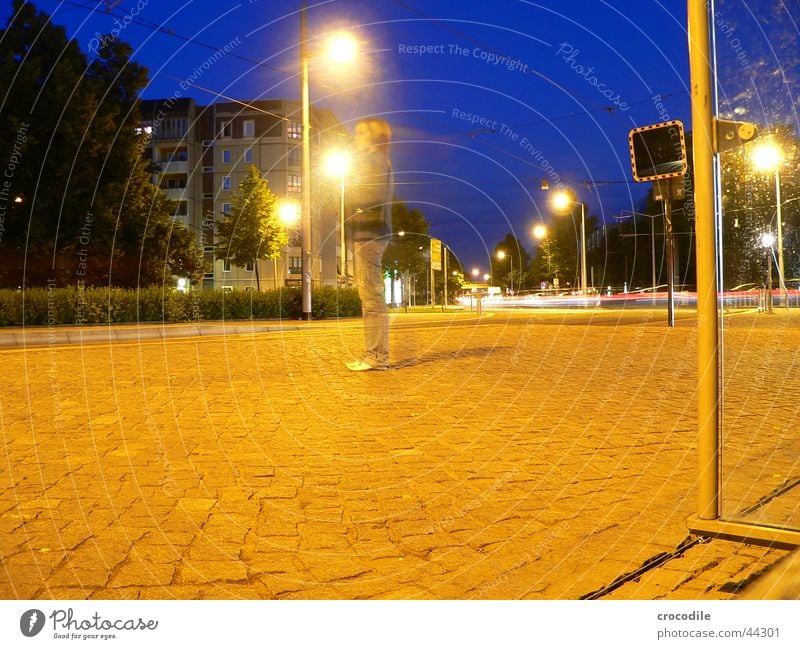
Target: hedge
[{"x": 69, "y": 305}]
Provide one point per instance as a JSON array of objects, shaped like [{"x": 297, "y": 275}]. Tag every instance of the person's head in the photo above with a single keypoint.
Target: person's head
[{"x": 372, "y": 133}]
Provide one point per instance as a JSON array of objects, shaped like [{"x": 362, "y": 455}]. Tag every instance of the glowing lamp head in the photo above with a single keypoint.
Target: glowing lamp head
[
  {"x": 337, "y": 163},
  {"x": 342, "y": 47},
  {"x": 539, "y": 232},
  {"x": 288, "y": 212},
  {"x": 487, "y": 277},
  {"x": 501, "y": 254},
  {"x": 767, "y": 240},
  {"x": 561, "y": 201},
  {"x": 476, "y": 272},
  {"x": 766, "y": 157}
]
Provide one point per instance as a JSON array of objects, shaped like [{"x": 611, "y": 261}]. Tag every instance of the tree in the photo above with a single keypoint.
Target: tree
[
  {"x": 87, "y": 211},
  {"x": 252, "y": 230},
  {"x": 409, "y": 244},
  {"x": 514, "y": 255}
]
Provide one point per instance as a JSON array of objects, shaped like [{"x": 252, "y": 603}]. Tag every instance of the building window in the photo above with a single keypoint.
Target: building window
[
  {"x": 172, "y": 128},
  {"x": 226, "y": 265},
  {"x": 226, "y": 183},
  {"x": 226, "y": 156},
  {"x": 226, "y": 208},
  {"x": 176, "y": 183},
  {"x": 248, "y": 155},
  {"x": 226, "y": 130},
  {"x": 293, "y": 183},
  {"x": 294, "y": 131},
  {"x": 295, "y": 265},
  {"x": 295, "y": 156},
  {"x": 249, "y": 266},
  {"x": 249, "y": 127}
]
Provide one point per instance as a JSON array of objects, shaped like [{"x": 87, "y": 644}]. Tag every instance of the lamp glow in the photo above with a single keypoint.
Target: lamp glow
[
  {"x": 766, "y": 157},
  {"x": 342, "y": 47},
  {"x": 337, "y": 163},
  {"x": 288, "y": 212}
]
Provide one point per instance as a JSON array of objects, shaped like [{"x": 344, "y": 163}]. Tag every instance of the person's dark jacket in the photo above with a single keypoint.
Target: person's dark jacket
[{"x": 370, "y": 197}]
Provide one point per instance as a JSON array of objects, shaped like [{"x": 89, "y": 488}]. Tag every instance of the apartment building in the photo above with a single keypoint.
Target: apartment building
[{"x": 201, "y": 154}]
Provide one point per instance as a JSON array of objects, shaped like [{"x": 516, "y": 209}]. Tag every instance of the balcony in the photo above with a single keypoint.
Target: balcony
[
  {"x": 178, "y": 194},
  {"x": 173, "y": 166}
]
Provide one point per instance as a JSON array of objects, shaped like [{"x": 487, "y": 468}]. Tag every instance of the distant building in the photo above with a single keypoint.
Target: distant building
[{"x": 201, "y": 153}]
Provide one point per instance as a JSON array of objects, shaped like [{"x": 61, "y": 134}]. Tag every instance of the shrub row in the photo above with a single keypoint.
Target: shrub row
[{"x": 69, "y": 305}]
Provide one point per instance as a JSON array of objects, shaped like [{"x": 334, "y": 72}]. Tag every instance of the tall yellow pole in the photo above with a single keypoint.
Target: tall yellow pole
[
  {"x": 306, "y": 251},
  {"x": 703, "y": 129}
]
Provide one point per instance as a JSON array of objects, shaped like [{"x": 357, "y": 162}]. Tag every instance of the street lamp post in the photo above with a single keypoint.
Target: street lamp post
[
  {"x": 561, "y": 201},
  {"x": 767, "y": 157},
  {"x": 767, "y": 241},
  {"x": 501, "y": 254},
  {"x": 337, "y": 164},
  {"x": 342, "y": 48},
  {"x": 306, "y": 257}
]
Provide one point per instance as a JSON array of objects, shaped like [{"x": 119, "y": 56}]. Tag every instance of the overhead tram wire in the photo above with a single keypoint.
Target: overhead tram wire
[
  {"x": 172, "y": 33},
  {"x": 533, "y": 72},
  {"x": 166, "y": 31}
]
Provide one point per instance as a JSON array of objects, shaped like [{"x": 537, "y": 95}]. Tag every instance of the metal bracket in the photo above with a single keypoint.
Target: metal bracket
[{"x": 730, "y": 134}]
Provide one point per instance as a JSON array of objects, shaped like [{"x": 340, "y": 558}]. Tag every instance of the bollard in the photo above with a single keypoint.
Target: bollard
[{"x": 479, "y": 307}]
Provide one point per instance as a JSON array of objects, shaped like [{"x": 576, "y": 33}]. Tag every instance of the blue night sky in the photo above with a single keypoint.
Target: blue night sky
[{"x": 577, "y": 77}]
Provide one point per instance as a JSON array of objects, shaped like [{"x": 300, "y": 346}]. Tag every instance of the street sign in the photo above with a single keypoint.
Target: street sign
[
  {"x": 436, "y": 254},
  {"x": 658, "y": 151}
]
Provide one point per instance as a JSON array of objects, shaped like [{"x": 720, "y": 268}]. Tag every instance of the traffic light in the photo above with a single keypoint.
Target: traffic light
[{"x": 658, "y": 151}]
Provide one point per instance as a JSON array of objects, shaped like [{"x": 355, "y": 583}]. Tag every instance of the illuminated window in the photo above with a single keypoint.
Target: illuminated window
[
  {"x": 295, "y": 131},
  {"x": 293, "y": 183}
]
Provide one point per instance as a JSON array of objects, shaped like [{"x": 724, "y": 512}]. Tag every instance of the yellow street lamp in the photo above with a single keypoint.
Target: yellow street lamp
[
  {"x": 340, "y": 49},
  {"x": 288, "y": 212},
  {"x": 337, "y": 163},
  {"x": 539, "y": 232},
  {"x": 767, "y": 157},
  {"x": 487, "y": 277},
  {"x": 501, "y": 254},
  {"x": 563, "y": 201}
]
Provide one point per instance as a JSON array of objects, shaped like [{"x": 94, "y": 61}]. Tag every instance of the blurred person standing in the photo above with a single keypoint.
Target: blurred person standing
[{"x": 371, "y": 201}]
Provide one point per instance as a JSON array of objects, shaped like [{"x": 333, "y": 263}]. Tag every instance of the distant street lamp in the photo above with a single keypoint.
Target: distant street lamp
[
  {"x": 501, "y": 254},
  {"x": 562, "y": 201},
  {"x": 767, "y": 241},
  {"x": 337, "y": 164},
  {"x": 476, "y": 272},
  {"x": 288, "y": 212},
  {"x": 767, "y": 157},
  {"x": 539, "y": 232},
  {"x": 487, "y": 277},
  {"x": 340, "y": 48}
]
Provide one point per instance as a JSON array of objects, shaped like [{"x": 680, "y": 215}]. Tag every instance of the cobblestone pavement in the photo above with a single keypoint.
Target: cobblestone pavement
[{"x": 520, "y": 455}]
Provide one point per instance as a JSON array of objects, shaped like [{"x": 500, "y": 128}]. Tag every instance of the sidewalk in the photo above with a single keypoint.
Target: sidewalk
[
  {"x": 521, "y": 455},
  {"x": 82, "y": 334}
]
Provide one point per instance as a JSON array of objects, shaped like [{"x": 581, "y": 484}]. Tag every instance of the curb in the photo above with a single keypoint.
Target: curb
[{"x": 41, "y": 337}]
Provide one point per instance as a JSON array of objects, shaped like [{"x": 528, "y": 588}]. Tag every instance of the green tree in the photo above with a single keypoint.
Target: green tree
[
  {"x": 513, "y": 255},
  {"x": 252, "y": 230},
  {"x": 86, "y": 209},
  {"x": 409, "y": 245}
]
